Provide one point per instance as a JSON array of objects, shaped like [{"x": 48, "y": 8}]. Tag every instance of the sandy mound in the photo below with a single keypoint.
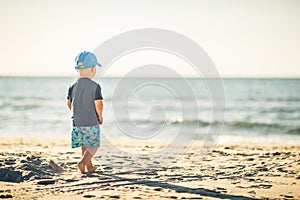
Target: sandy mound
[{"x": 19, "y": 167}]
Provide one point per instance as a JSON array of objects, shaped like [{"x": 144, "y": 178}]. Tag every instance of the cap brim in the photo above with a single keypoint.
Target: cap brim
[
  {"x": 79, "y": 67},
  {"x": 83, "y": 67}
]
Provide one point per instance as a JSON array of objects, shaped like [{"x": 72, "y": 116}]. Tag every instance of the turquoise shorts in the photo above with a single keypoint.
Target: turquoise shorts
[{"x": 85, "y": 135}]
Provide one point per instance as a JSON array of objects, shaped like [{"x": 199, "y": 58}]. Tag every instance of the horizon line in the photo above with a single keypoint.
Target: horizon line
[{"x": 70, "y": 76}]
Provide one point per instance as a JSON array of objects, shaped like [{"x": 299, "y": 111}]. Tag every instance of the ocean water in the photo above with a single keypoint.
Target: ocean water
[{"x": 256, "y": 110}]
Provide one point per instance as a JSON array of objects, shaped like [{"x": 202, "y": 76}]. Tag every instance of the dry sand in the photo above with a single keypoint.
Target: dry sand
[{"x": 37, "y": 170}]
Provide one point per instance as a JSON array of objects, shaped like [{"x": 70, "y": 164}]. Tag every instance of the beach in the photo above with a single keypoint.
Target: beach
[
  {"x": 197, "y": 100},
  {"x": 47, "y": 170}
]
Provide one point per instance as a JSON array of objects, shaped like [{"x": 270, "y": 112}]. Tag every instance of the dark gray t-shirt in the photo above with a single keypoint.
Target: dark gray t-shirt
[{"x": 82, "y": 95}]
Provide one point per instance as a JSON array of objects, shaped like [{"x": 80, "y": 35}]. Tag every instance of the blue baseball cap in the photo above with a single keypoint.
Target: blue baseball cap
[{"x": 88, "y": 60}]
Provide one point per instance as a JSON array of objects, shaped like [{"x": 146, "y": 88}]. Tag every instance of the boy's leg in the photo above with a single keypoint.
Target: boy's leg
[
  {"x": 90, "y": 150},
  {"x": 83, "y": 149},
  {"x": 89, "y": 165},
  {"x": 89, "y": 162},
  {"x": 86, "y": 158}
]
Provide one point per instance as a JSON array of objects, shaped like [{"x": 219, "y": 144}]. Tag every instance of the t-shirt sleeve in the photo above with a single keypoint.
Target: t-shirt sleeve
[
  {"x": 98, "y": 94},
  {"x": 69, "y": 94}
]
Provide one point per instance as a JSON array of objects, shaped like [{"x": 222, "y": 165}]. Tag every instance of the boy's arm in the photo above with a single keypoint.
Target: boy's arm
[
  {"x": 99, "y": 109},
  {"x": 69, "y": 104}
]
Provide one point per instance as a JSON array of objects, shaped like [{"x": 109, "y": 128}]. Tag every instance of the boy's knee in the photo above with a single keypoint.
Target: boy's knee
[{"x": 92, "y": 150}]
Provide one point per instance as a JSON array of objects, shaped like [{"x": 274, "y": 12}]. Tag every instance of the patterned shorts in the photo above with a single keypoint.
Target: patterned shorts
[{"x": 85, "y": 135}]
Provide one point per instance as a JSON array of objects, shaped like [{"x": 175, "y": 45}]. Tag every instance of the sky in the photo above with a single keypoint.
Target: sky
[{"x": 257, "y": 38}]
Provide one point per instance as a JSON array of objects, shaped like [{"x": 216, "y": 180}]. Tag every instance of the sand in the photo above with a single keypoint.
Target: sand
[{"x": 36, "y": 170}]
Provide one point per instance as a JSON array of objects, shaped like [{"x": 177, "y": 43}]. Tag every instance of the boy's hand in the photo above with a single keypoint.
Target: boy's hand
[
  {"x": 69, "y": 104},
  {"x": 101, "y": 120}
]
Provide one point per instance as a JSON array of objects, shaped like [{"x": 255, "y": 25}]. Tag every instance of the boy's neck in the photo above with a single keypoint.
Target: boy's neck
[{"x": 85, "y": 76}]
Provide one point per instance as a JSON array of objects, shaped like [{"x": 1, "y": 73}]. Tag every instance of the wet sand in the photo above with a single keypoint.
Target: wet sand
[{"x": 37, "y": 170}]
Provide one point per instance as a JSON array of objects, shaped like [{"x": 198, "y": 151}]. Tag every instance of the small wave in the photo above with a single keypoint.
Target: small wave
[
  {"x": 168, "y": 122},
  {"x": 18, "y": 103},
  {"x": 267, "y": 99},
  {"x": 295, "y": 131},
  {"x": 202, "y": 123},
  {"x": 246, "y": 124},
  {"x": 281, "y": 99},
  {"x": 198, "y": 122},
  {"x": 20, "y": 106}
]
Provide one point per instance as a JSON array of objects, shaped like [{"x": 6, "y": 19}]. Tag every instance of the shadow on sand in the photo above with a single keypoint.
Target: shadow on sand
[
  {"x": 113, "y": 180},
  {"x": 180, "y": 189}
]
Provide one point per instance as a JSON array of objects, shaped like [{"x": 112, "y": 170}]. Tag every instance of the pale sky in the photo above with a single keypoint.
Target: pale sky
[{"x": 248, "y": 38}]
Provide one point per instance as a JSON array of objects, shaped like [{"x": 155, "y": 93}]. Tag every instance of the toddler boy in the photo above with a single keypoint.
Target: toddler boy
[{"x": 84, "y": 99}]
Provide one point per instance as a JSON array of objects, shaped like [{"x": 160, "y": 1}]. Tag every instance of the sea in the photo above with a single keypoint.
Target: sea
[{"x": 256, "y": 110}]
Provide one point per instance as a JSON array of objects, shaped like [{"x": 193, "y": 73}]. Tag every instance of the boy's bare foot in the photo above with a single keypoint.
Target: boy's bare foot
[
  {"x": 91, "y": 169},
  {"x": 81, "y": 167}
]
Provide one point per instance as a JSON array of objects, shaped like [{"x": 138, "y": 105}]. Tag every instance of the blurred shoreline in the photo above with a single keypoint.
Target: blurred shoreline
[{"x": 220, "y": 141}]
